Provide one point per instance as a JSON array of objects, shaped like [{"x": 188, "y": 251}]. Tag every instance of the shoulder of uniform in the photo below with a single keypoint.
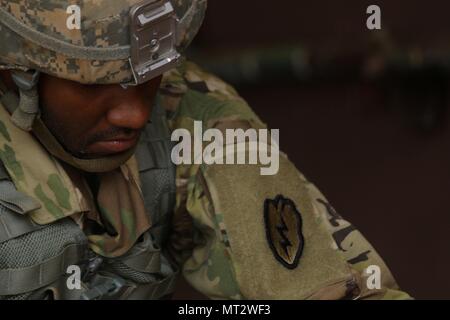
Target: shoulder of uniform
[
  {"x": 279, "y": 246},
  {"x": 189, "y": 94}
]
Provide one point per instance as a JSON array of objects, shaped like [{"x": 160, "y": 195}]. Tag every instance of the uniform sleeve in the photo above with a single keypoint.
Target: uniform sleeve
[
  {"x": 237, "y": 234},
  {"x": 234, "y": 254},
  {"x": 356, "y": 251}
]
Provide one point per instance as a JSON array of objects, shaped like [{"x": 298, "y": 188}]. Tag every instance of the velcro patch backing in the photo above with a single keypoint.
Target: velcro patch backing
[{"x": 239, "y": 193}]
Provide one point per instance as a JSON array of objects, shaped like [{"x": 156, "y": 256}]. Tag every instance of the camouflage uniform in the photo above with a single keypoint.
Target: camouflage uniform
[
  {"x": 219, "y": 235},
  {"x": 233, "y": 233}
]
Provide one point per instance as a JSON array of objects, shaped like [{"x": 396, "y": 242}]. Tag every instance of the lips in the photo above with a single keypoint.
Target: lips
[{"x": 114, "y": 145}]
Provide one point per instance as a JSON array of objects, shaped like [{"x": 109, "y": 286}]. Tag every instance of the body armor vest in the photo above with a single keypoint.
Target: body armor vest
[{"x": 54, "y": 261}]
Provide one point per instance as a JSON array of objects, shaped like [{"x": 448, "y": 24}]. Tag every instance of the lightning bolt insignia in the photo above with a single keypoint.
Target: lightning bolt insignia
[
  {"x": 284, "y": 241},
  {"x": 283, "y": 224}
]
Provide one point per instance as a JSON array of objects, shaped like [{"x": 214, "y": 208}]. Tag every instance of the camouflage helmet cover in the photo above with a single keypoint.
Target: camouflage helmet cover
[{"x": 104, "y": 25}]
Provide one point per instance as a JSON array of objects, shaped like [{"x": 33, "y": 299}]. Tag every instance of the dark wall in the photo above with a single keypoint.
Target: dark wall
[
  {"x": 322, "y": 24},
  {"x": 379, "y": 150}
]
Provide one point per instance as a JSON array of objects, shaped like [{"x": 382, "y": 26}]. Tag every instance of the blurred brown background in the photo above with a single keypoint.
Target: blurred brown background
[{"x": 362, "y": 113}]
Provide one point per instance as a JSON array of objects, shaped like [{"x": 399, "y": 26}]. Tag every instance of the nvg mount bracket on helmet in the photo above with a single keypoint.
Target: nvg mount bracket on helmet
[{"x": 153, "y": 27}]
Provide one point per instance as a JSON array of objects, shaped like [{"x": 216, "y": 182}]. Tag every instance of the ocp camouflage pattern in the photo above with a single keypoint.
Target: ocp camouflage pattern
[{"x": 207, "y": 258}]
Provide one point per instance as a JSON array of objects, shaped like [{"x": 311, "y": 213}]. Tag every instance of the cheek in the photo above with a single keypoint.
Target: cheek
[
  {"x": 65, "y": 113},
  {"x": 56, "y": 110}
]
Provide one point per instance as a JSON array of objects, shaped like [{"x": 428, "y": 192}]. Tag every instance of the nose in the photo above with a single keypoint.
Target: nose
[{"x": 129, "y": 110}]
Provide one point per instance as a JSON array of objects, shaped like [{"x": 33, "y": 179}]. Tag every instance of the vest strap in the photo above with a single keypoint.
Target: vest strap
[{"x": 152, "y": 291}]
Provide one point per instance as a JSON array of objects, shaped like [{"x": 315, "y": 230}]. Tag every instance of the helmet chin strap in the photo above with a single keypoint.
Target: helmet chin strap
[
  {"x": 28, "y": 108},
  {"x": 25, "y": 115}
]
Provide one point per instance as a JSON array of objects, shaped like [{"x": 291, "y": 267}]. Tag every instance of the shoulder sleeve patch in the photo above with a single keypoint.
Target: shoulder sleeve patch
[
  {"x": 253, "y": 213},
  {"x": 283, "y": 224}
]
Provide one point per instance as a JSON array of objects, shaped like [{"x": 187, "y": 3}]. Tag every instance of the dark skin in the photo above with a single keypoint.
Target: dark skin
[{"x": 93, "y": 121}]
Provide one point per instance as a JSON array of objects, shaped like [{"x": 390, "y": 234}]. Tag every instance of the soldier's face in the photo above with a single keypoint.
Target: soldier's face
[{"x": 93, "y": 121}]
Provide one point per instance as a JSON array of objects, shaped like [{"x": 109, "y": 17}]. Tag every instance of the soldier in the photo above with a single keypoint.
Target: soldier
[{"x": 88, "y": 187}]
